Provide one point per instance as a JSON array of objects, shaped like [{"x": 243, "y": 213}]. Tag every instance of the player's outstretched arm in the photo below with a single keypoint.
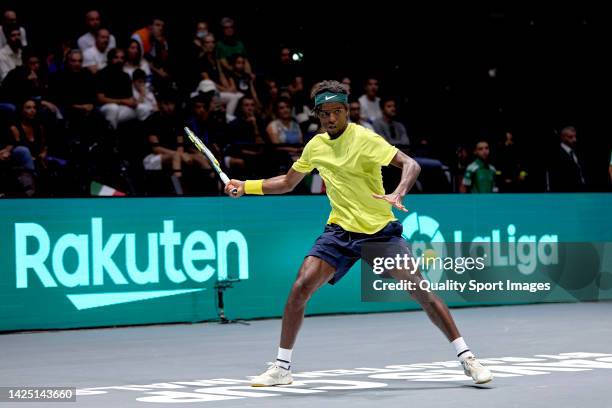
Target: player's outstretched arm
[{"x": 275, "y": 185}]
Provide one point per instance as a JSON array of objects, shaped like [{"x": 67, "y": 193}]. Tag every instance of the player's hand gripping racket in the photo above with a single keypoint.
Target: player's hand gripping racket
[{"x": 211, "y": 158}]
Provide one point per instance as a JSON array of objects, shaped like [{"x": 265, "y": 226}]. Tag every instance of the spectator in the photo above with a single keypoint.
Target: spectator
[
  {"x": 154, "y": 46},
  {"x": 229, "y": 98},
  {"x": 151, "y": 37},
  {"x": 192, "y": 70},
  {"x": 28, "y": 81},
  {"x": 393, "y": 131},
  {"x": 12, "y": 154},
  {"x": 423, "y": 148},
  {"x": 208, "y": 122},
  {"x": 10, "y": 54},
  {"x": 16, "y": 166},
  {"x": 198, "y": 45},
  {"x": 95, "y": 58},
  {"x": 270, "y": 97},
  {"x": 9, "y": 19},
  {"x": 217, "y": 128},
  {"x": 509, "y": 161},
  {"x": 240, "y": 80},
  {"x": 245, "y": 133},
  {"x": 247, "y": 128},
  {"x": 198, "y": 120},
  {"x": 286, "y": 69},
  {"x": 480, "y": 175},
  {"x": 208, "y": 65},
  {"x": 370, "y": 102},
  {"x": 565, "y": 172},
  {"x": 93, "y": 23},
  {"x": 462, "y": 157},
  {"x": 355, "y": 115},
  {"x": 230, "y": 45},
  {"x": 300, "y": 102},
  {"x": 134, "y": 61},
  {"x": 56, "y": 57},
  {"x": 284, "y": 129},
  {"x": 114, "y": 91},
  {"x": 147, "y": 104},
  {"x": 460, "y": 161},
  {"x": 346, "y": 81},
  {"x": 165, "y": 135},
  {"x": 73, "y": 89},
  {"x": 29, "y": 132}
]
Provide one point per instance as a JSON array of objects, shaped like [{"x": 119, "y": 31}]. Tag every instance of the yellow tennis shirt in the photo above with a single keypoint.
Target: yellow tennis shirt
[{"x": 350, "y": 165}]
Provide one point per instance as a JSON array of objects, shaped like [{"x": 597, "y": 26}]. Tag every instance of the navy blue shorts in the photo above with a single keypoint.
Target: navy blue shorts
[{"x": 341, "y": 248}]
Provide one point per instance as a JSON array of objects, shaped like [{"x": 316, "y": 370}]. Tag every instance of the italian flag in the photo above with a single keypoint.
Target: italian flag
[
  {"x": 315, "y": 183},
  {"x": 98, "y": 189}
]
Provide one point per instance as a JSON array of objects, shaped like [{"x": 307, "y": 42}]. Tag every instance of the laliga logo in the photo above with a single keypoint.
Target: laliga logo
[
  {"x": 417, "y": 226},
  {"x": 525, "y": 252}
]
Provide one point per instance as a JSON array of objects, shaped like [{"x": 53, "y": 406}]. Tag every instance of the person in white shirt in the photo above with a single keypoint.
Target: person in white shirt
[
  {"x": 10, "y": 54},
  {"x": 370, "y": 102},
  {"x": 93, "y": 23},
  {"x": 94, "y": 58},
  {"x": 134, "y": 61},
  {"x": 355, "y": 115},
  {"x": 147, "y": 104},
  {"x": 9, "y": 18}
]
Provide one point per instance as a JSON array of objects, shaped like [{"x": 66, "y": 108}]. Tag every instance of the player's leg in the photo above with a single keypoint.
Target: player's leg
[
  {"x": 436, "y": 309},
  {"x": 313, "y": 274},
  {"x": 438, "y": 313}
]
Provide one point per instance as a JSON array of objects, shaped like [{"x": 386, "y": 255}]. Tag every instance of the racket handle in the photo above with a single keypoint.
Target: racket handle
[{"x": 226, "y": 180}]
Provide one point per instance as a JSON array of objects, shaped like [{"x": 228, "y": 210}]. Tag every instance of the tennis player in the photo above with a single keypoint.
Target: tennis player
[{"x": 349, "y": 159}]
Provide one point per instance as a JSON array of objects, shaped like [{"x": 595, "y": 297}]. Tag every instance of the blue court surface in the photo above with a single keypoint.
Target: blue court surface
[{"x": 547, "y": 355}]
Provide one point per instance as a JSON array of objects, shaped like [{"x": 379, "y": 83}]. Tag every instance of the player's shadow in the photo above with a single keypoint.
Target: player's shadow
[{"x": 380, "y": 392}]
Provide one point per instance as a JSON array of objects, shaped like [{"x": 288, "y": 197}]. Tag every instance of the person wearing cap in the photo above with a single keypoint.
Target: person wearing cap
[
  {"x": 349, "y": 158},
  {"x": 230, "y": 99}
]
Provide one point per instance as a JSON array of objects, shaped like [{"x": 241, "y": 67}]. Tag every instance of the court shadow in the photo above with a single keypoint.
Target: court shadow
[{"x": 383, "y": 392}]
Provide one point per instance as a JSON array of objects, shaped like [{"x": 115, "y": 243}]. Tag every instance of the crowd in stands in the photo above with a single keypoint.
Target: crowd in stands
[{"x": 110, "y": 111}]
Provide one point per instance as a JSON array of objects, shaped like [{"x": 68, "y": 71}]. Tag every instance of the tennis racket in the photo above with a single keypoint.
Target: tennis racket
[{"x": 211, "y": 158}]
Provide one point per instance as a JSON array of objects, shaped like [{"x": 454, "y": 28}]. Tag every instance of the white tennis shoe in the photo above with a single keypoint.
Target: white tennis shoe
[
  {"x": 479, "y": 373},
  {"x": 274, "y": 375}
]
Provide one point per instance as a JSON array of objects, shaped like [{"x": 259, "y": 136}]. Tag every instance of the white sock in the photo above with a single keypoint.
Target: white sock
[
  {"x": 461, "y": 348},
  {"x": 283, "y": 358}
]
